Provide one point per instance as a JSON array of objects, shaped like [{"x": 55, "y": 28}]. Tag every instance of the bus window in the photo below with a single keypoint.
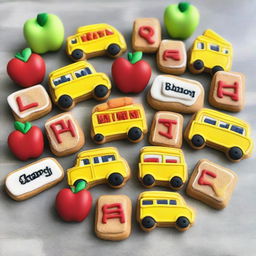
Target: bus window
[
  {"x": 83, "y": 72},
  {"x": 237, "y": 129},
  {"x": 133, "y": 114},
  {"x": 223, "y": 125},
  {"x": 225, "y": 51},
  {"x": 152, "y": 158},
  {"x": 171, "y": 159},
  {"x": 147, "y": 202},
  {"x": 84, "y": 162},
  {"x": 200, "y": 46},
  {"x": 73, "y": 41},
  {"x": 209, "y": 120},
  {"x": 62, "y": 79},
  {"x": 214, "y": 47},
  {"x": 122, "y": 115},
  {"x": 108, "y": 158},
  {"x": 162, "y": 201},
  {"x": 173, "y": 202},
  {"x": 103, "y": 118}
]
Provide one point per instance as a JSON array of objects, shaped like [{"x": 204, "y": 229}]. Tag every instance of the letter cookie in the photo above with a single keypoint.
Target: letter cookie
[
  {"x": 166, "y": 129},
  {"x": 113, "y": 217},
  {"x": 212, "y": 184},
  {"x": 64, "y": 134},
  {"x": 172, "y": 57},
  {"x": 146, "y": 35},
  {"x": 34, "y": 178},
  {"x": 176, "y": 94},
  {"x": 227, "y": 91},
  {"x": 30, "y": 104}
]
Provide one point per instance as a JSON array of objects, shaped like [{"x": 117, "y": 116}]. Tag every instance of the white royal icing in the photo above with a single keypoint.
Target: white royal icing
[
  {"x": 32, "y": 177},
  {"x": 11, "y": 99},
  {"x": 170, "y": 89}
]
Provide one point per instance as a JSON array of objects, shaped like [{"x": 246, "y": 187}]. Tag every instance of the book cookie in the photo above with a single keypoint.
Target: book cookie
[
  {"x": 166, "y": 129},
  {"x": 172, "y": 57},
  {"x": 113, "y": 217},
  {"x": 146, "y": 35},
  {"x": 29, "y": 104},
  {"x": 227, "y": 91},
  {"x": 212, "y": 184},
  {"x": 176, "y": 94},
  {"x": 34, "y": 178},
  {"x": 64, "y": 134}
]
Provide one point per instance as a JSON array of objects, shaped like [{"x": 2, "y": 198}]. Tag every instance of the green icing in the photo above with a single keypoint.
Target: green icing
[
  {"x": 80, "y": 186},
  {"x": 42, "y": 19},
  {"x": 24, "y": 55},
  {"x": 24, "y": 128},
  {"x": 183, "y": 6},
  {"x": 134, "y": 57}
]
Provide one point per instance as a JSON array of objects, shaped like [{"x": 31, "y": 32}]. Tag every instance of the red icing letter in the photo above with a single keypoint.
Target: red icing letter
[
  {"x": 25, "y": 107},
  {"x": 173, "y": 54},
  {"x": 110, "y": 213},
  {"x": 203, "y": 181},
  {"x": 167, "y": 123},
  {"x": 147, "y": 32},
  {"x": 69, "y": 127},
  {"x": 221, "y": 92}
]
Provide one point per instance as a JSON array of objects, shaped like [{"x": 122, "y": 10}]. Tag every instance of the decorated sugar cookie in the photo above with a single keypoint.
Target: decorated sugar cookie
[
  {"x": 64, "y": 134},
  {"x": 97, "y": 166},
  {"x": 220, "y": 131},
  {"x": 146, "y": 35},
  {"x": 77, "y": 82},
  {"x": 212, "y": 184},
  {"x": 95, "y": 40},
  {"x": 113, "y": 217},
  {"x": 163, "y": 209},
  {"x": 162, "y": 166},
  {"x": 176, "y": 94},
  {"x": 118, "y": 119},
  {"x": 210, "y": 53},
  {"x": 34, "y": 178},
  {"x": 26, "y": 141},
  {"x": 30, "y": 104},
  {"x": 227, "y": 91}
]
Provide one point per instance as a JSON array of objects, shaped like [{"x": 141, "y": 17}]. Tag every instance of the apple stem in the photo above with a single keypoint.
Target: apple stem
[
  {"x": 134, "y": 57},
  {"x": 24, "y": 128},
  {"x": 80, "y": 186},
  {"x": 41, "y": 19},
  {"x": 183, "y": 6}
]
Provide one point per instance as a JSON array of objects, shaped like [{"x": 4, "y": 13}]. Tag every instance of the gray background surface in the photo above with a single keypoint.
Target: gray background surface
[{"x": 32, "y": 227}]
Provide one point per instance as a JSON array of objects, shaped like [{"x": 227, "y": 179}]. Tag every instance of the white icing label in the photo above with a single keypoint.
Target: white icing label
[
  {"x": 32, "y": 177},
  {"x": 169, "y": 89}
]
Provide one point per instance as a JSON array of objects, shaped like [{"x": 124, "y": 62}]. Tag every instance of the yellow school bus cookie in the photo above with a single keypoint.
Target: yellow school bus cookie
[
  {"x": 211, "y": 53},
  {"x": 163, "y": 209},
  {"x": 220, "y": 131},
  {"x": 77, "y": 82},
  {"x": 97, "y": 166},
  {"x": 162, "y": 166},
  {"x": 117, "y": 119},
  {"x": 95, "y": 40}
]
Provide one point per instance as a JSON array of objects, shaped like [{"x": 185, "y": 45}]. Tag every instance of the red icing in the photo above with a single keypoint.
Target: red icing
[
  {"x": 113, "y": 211},
  {"x": 95, "y": 35},
  {"x": 173, "y": 54},
  {"x": 108, "y": 32},
  {"x": 101, "y": 33},
  {"x": 221, "y": 90},
  {"x": 65, "y": 127},
  {"x": 171, "y": 161},
  {"x": 203, "y": 181},
  {"x": 155, "y": 160},
  {"x": 134, "y": 114},
  {"x": 167, "y": 123},
  {"x": 122, "y": 115},
  {"x": 103, "y": 118},
  {"x": 25, "y": 107},
  {"x": 147, "y": 33}
]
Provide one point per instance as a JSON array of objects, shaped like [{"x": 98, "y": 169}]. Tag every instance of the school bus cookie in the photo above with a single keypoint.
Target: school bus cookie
[
  {"x": 212, "y": 184},
  {"x": 172, "y": 57},
  {"x": 166, "y": 129},
  {"x": 210, "y": 53},
  {"x": 98, "y": 166},
  {"x": 113, "y": 217},
  {"x": 146, "y": 35},
  {"x": 162, "y": 166},
  {"x": 220, "y": 131},
  {"x": 77, "y": 82},
  {"x": 34, "y": 178},
  {"x": 227, "y": 91},
  {"x": 95, "y": 40},
  {"x": 118, "y": 119},
  {"x": 163, "y": 209},
  {"x": 64, "y": 134},
  {"x": 29, "y": 104},
  {"x": 176, "y": 94}
]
